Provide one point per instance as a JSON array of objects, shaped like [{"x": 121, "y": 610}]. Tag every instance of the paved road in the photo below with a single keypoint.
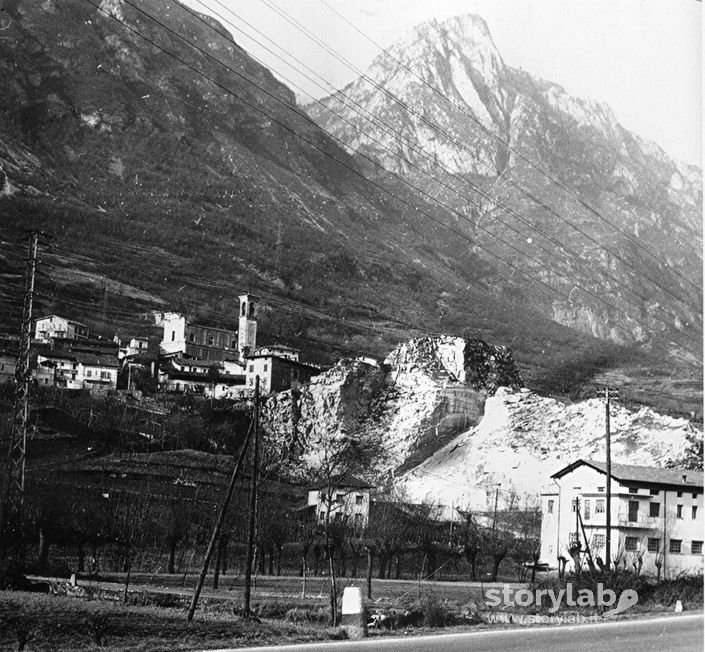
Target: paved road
[{"x": 669, "y": 634}]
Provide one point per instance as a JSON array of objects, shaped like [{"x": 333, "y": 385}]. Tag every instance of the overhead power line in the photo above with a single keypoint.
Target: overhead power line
[
  {"x": 576, "y": 257},
  {"x": 516, "y": 151},
  {"x": 377, "y": 164},
  {"x": 303, "y": 138}
]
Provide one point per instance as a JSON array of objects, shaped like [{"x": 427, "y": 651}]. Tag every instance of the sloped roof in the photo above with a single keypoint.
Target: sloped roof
[
  {"x": 93, "y": 360},
  {"x": 67, "y": 319},
  {"x": 641, "y": 474},
  {"x": 344, "y": 482}
]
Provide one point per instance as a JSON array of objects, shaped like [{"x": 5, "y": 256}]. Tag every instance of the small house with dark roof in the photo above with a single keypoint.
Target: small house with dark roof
[
  {"x": 51, "y": 326},
  {"x": 656, "y": 522},
  {"x": 218, "y": 380},
  {"x": 77, "y": 370},
  {"x": 345, "y": 499},
  {"x": 98, "y": 373}
]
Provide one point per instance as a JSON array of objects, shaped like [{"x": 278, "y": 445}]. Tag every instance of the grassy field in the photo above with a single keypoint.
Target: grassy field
[
  {"x": 95, "y": 616},
  {"x": 154, "y": 617},
  {"x": 44, "y": 622}
]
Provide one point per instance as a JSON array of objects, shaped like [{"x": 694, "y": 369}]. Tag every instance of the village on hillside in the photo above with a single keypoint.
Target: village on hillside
[
  {"x": 656, "y": 514},
  {"x": 326, "y": 321}
]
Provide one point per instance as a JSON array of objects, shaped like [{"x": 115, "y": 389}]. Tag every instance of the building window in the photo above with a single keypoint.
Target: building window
[
  {"x": 696, "y": 547},
  {"x": 695, "y": 512},
  {"x": 192, "y": 337},
  {"x": 654, "y": 509},
  {"x": 654, "y": 492},
  {"x": 679, "y": 494},
  {"x": 674, "y": 545},
  {"x": 173, "y": 335},
  {"x": 630, "y": 543},
  {"x": 573, "y": 505},
  {"x": 633, "y": 490},
  {"x": 105, "y": 375},
  {"x": 633, "y": 514},
  {"x": 600, "y": 489},
  {"x": 88, "y": 373},
  {"x": 573, "y": 540},
  {"x": 339, "y": 498},
  {"x": 550, "y": 506},
  {"x": 357, "y": 518},
  {"x": 338, "y": 517},
  {"x": 266, "y": 366},
  {"x": 695, "y": 495},
  {"x": 653, "y": 545},
  {"x": 359, "y": 499},
  {"x": 598, "y": 541},
  {"x": 210, "y": 340},
  {"x": 600, "y": 506},
  {"x": 322, "y": 516},
  {"x": 233, "y": 344},
  {"x": 252, "y": 368},
  {"x": 586, "y": 510},
  {"x": 679, "y": 511}
]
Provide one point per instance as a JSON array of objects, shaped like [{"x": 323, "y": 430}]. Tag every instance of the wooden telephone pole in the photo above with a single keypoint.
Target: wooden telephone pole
[
  {"x": 253, "y": 506},
  {"x": 14, "y": 484},
  {"x": 223, "y": 509},
  {"x": 608, "y": 488}
]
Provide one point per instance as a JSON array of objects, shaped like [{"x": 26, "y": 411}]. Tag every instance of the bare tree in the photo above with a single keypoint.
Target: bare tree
[
  {"x": 388, "y": 529},
  {"x": 337, "y": 456}
]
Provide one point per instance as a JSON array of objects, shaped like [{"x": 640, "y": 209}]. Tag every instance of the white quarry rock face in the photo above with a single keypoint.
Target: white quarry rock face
[
  {"x": 429, "y": 390},
  {"x": 524, "y": 438}
]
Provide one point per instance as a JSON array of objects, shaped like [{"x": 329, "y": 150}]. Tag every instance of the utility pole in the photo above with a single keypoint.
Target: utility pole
[
  {"x": 494, "y": 518},
  {"x": 219, "y": 524},
  {"x": 253, "y": 506},
  {"x": 608, "y": 509},
  {"x": 14, "y": 490}
]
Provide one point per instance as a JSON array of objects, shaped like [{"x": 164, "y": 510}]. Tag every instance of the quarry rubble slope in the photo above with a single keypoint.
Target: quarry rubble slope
[{"x": 524, "y": 438}]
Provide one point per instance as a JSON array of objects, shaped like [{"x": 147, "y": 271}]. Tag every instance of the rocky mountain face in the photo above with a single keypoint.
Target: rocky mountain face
[
  {"x": 426, "y": 392},
  {"x": 509, "y": 153},
  {"x": 171, "y": 171},
  {"x": 453, "y": 422},
  {"x": 524, "y": 438}
]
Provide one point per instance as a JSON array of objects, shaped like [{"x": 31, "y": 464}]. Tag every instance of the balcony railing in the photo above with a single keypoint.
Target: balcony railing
[
  {"x": 637, "y": 521},
  {"x": 624, "y": 519}
]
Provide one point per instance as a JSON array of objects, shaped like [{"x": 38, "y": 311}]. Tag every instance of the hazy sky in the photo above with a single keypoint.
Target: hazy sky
[{"x": 642, "y": 57}]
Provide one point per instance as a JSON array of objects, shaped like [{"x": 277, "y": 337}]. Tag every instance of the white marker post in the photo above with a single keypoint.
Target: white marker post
[{"x": 353, "y": 621}]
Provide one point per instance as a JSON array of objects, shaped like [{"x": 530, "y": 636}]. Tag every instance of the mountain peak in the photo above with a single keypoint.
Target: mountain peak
[{"x": 466, "y": 37}]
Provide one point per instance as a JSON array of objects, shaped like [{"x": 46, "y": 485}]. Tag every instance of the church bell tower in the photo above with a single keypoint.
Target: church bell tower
[{"x": 247, "y": 325}]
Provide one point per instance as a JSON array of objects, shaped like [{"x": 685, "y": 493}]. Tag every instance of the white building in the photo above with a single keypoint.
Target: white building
[
  {"x": 656, "y": 517},
  {"x": 278, "y": 369},
  {"x": 182, "y": 338},
  {"x": 47, "y": 328},
  {"x": 133, "y": 346},
  {"x": 347, "y": 500},
  {"x": 223, "y": 380},
  {"x": 77, "y": 370}
]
